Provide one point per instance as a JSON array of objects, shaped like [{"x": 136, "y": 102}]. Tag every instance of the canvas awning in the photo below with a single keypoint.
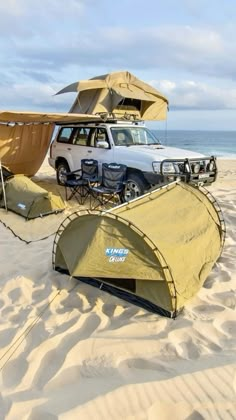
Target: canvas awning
[
  {"x": 25, "y": 137},
  {"x": 27, "y": 117},
  {"x": 119, "y": 93}
]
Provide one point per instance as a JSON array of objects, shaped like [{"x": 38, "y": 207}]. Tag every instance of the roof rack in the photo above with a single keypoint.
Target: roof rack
[
  {"x": 107, "y": 118},
  {"x": 112, "y": 117}
]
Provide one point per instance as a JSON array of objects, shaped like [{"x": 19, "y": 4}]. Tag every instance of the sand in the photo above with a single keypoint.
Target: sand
[{"x": 70, "y": 351}]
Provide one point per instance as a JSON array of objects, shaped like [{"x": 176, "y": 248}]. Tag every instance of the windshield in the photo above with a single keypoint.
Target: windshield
[{"x": 134, "y": 135}]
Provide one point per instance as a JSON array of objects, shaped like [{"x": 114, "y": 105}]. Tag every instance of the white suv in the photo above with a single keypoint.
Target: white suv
[{"x": 149, "y": 163}]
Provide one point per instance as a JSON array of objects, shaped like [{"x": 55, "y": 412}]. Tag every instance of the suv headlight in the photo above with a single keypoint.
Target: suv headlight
[{"x": 168, "y": 167}]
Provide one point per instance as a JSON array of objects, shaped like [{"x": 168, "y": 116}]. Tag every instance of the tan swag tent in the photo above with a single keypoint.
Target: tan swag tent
[
  {"x": 156, "y": 250},
  {"x": 25, "y": 137},
  {"x": 24, "y": 197},
  {"x": 120, "y": 94}
]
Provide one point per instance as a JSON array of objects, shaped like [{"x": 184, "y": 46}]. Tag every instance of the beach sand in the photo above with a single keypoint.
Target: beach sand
[{"x": 70, "y": 351}]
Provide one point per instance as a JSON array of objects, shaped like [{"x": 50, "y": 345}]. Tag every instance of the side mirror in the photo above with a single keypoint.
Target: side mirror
[{"x": 102, "y": 144}]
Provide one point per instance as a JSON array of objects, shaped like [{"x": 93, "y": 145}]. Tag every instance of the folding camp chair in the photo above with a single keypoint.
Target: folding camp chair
[
  {"x": 77, "y": 182},
  {"x": 111, "y": 186}
]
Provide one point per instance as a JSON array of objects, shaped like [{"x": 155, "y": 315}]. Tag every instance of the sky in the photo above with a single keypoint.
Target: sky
[{"x": 184, "y": 48}]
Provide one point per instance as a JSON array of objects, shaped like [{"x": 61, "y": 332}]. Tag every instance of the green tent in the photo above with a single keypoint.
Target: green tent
[
  {"x": 157, "y": 249},
  {"x": 26, "y": 198}
]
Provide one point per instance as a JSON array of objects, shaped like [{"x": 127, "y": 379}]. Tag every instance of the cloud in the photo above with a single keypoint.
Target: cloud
[
  {"x": 28, "y": 21},
  {"x": 208, "y": 52},
  {"x": 34, "y": 96},
  {"x": 49, "y": 44},
  {"x": 196, "y": 95},
  {"x": 27, "y": 8},
  {"x": 183, "y": 95},
  {"x": 50, "y": 36}
]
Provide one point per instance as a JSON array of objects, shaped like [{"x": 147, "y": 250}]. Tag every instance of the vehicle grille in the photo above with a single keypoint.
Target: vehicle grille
[{"x": 181, "y": 168}]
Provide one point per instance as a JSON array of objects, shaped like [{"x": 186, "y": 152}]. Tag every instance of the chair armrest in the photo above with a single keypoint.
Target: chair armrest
[{"x": 74, "y": 172}]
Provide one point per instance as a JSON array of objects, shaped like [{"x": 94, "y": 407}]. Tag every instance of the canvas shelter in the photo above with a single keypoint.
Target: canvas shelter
[
  {"x": 118, "y": 93},
  {"x": 156, "y": 250},
  {"x": 27, "y": 199},
  {"x": 25, "y": 137}
]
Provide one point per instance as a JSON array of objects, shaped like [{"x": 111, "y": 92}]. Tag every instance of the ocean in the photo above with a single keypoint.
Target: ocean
[{"x": 217, "y": 143}]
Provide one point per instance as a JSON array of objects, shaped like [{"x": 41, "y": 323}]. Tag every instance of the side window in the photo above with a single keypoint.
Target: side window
[
  {"x": 81, "y": 136},
  {"x": 99, "y": 138},
  {"x": 65, "y": 135}
]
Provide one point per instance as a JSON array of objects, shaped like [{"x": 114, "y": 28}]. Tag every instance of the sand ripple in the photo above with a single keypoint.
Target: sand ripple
[{"x": 69, "y": 351}]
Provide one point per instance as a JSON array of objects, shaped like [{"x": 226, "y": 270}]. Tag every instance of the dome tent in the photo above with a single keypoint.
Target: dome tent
[
  {"x": 156, "y": 250},
  {"x": 27, "y": 199}
]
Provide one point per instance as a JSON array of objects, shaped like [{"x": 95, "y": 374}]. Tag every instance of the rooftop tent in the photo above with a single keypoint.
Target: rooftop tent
[
  {"x": 156, "y": 250},
  {"x": 26, "y": 198},
  {"x": 119, "y": 93},
  {"x": 25, "y": 137}
]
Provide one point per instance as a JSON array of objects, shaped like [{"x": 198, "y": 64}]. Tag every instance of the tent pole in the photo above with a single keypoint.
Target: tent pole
[{"x": 3, "y": 186}]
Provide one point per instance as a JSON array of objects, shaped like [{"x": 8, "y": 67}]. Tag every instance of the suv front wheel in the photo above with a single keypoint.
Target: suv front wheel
[
  {"x": 135, "y": 187},
  {"x": 61, "y": 170}
]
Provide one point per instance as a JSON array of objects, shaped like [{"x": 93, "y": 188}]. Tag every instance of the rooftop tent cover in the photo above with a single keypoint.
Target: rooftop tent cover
[
  {"x": 119, "y": 93},
  {"x": 27, "y": 199},
  {"x": 159, "y": 248},
  {"x": 25, "y": 137}
]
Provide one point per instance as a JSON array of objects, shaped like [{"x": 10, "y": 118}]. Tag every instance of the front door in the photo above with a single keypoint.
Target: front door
[{"x": 99, "y": 147}]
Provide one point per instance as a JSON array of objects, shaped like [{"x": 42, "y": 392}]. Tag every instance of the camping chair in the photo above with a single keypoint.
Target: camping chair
[
  {"x": 111, "y": 186},
  {"x": 77, "y": 182}
]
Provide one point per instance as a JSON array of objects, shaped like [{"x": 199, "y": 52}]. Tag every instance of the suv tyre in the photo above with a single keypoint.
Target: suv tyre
[
  {"x": 61, "y": 169},
  {"x": 135, "y": 187}
]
